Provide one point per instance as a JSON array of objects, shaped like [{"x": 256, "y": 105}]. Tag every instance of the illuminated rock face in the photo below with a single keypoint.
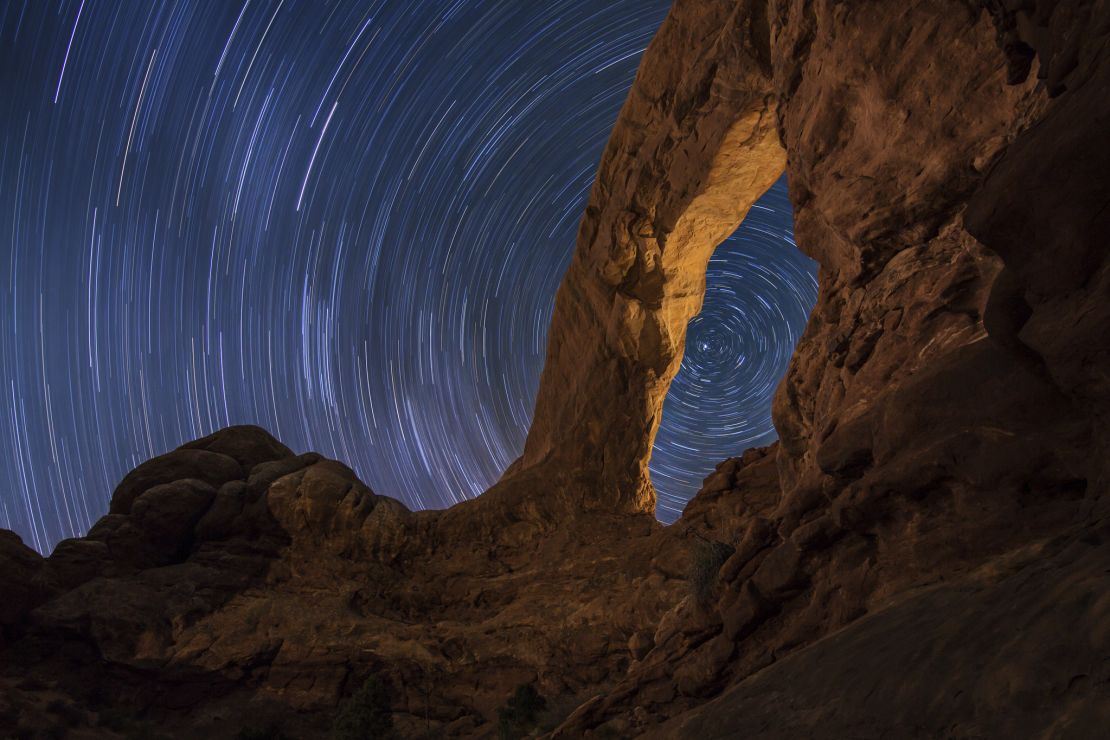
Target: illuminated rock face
[
  {"x": 940, "y": 486},
  {"x": 695, "y": 146}
]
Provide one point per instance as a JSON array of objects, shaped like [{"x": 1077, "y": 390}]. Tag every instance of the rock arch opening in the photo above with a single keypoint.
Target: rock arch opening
[
  {"x": 696, "y": 145},
  {"x": 760, "y": 290}
]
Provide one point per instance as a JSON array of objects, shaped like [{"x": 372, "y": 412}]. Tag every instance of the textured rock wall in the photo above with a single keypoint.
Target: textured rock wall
[
  {"x": 946, "y": 407},
  {"x": 909, "y": 376},
  {"x": 948, "y": 660},
  {"x": 1045, "y": 210}
]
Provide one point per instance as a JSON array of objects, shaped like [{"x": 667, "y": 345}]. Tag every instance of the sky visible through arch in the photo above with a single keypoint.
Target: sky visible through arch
[
  {"x": 342, "y": 221},
  {"x": 759, "y": 292}
]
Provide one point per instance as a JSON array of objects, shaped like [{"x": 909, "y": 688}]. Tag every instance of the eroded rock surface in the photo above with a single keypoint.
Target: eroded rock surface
[
  {"x": 195, "y": 611},
  {"x": 977, "y": 641},
  {"x": 940, "y": 413}
]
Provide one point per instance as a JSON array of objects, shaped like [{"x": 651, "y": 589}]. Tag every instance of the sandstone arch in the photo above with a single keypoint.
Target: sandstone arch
[
  {"x": 695, "y": 146},
  {"x": 893, "y": 117}
]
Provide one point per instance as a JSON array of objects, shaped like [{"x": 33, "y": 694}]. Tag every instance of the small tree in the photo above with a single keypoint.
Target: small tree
[
  {"x": 367, "y": 715},
  {"x": 522, "y": 713}
]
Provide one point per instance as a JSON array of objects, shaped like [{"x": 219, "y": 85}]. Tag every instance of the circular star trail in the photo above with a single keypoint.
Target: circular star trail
[
  {"x": 759, "y": 291},
  {"x": 342, "y": 221}
]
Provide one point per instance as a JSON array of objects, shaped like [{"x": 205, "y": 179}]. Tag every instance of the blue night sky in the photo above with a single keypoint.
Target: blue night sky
[{"x": 342, "y": 221}]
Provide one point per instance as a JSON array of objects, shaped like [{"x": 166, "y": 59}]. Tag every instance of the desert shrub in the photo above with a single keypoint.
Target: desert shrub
[
  {"x": 367, "y": 715},
  {"x": 521, "y": 715},
  {"x": 705, "y": 565}
]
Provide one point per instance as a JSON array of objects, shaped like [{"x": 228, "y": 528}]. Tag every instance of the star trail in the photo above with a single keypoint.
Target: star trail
[
  {"x": 342, "y": 221},
  {"x": 758, "y": 294}
]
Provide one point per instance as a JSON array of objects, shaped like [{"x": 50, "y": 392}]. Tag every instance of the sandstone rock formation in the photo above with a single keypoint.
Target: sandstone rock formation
[
  {"x": 234, "y": 583},
  {"x": 695, "y": 146},
  {"x": 925, "y": 434},
  {"x": 925, "y": 553}
]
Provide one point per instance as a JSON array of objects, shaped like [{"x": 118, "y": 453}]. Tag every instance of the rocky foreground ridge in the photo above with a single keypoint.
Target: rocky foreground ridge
[{"x": 926, "y": 553}]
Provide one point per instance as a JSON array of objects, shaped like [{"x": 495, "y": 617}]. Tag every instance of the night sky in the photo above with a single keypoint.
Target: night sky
[{"x": 343, "y": 221}]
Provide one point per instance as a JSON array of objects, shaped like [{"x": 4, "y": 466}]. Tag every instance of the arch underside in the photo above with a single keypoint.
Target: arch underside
[{"x": 695, "y": 146}]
